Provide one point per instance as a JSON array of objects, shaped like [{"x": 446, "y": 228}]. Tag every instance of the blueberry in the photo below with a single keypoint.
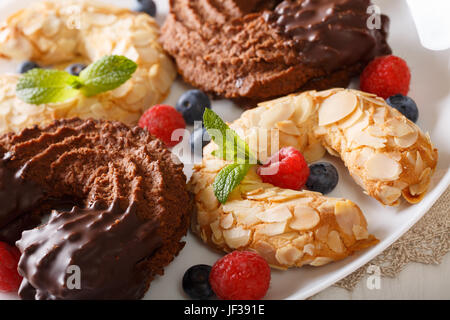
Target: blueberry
[
  {"x": 323, "y": 177},
  {"x": 27, "y": 66},
  {"x": 405, "y": 105},
  {"x": 76, "y": 68},
  {"x": 147, "y": 6},
  {"x": 196, "y": 282},
  {"x": 199, "y": 137},
  {"x": 192, "y": 104}
]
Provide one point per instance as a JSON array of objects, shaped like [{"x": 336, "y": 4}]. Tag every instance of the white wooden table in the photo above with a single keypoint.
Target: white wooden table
[{"x": 416, "y": 281}]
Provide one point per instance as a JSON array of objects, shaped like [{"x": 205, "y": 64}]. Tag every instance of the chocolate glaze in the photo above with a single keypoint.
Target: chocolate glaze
[
  {"x": 330, "y": 33},
  {"x": 109, "y": 245},
  {"x": 17, "y": 197},
  {"x": 89, "y": 165},
  {"x": 255, "y": 50}
]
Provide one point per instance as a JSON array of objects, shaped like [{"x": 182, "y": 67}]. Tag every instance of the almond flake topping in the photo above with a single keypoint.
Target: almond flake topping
[
  {"x": 276, "y": 214},
  {"x": 337, "y": 107},
  {"x": 382, "y": 167},
  {"x": 305, "y": 218},
  {"x": 236, "y": 237}
]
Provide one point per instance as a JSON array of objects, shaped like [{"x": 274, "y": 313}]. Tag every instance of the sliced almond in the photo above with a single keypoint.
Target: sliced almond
[
  {"x": 301, "y": 240},
  {"x": 123, "y": 90},
  {"x": 236, "y": 237},
  {"x": 227, "y": 221},
  {"x": 327, "y": 206},
  {"x": 379, "y": 116},
  {"x": 362, "y": 93},
  {"x": 305, "y": 218},
  {"x": 362, "y": 156},
  {"x": 360, "y": 232},
  {"x": 247, "y": 217},
  {"x": 266, "y": 250},
  {"x": 410, "y": 157},
  {"x": 287, "y": 140},
  {"x": 347, "y": 215},
  {"x": 287, "y": 126},
  {"x": 309, "y": 249},
  {"x": 422, "y": 186},
  {"x": 389, "y": 195},
  {"x": 355, "y": 130},
  {"x": 51, "y": 26},
  {"x": 327, "y": 93},
  {"x": 397, "y": 128},
  {"x": 217, "y": 232},
  {"x": 381, "y": 167},
  {"x": 406, "y": 140},
  {"x": 366, "y": 139},
  {"x": 351, "y": 119},
  {"x": 336, "y": 107},
  {"x": 202, "y": 217},
  {"x": 304, "y": 107},
  {"x": 141, "y": 38},
  {"x": 100, "y": 19},
  {"x": 275, "y": 214},
  {"x": 322, "y": 233},
  {"x": 208, "y": 198},
  {"x": 262, "y": 196},
  {"x": 273, "y": 115},
  {"x": 417, "y": 189},
  {"x": 375, "y": 131},
  {"x": 288, "y": 255},
  {"x": 375, "y": 100},
  {"x": 271, "y": 229},
  {"x": 419, "y": 164},
  {"x": 314, "y": 151},
  {"x": 233, "y": 206},
  {"x": 334, "y": 242}
]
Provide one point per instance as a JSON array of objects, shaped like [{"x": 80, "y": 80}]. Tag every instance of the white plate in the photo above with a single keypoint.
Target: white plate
[{"x": 429, "y": 88}]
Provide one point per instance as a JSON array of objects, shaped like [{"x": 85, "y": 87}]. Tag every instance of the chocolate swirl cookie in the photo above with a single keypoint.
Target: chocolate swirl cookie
[
  {"x": 119, "y": 208},
  {"x": 257, "y": 49}
]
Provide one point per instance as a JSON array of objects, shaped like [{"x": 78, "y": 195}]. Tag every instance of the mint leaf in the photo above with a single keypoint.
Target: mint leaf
[
  {"x": 228, "y": 179},
  {"x": 231, "y": 146},
  {"x": 39, "y": 86},
  {"x": 108, "y": 73}
]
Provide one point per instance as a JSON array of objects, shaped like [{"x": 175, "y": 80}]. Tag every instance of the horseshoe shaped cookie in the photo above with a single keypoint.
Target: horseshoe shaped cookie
[
  {"x": 274, "y": 47},
  {"x": 386, "y": 154},
  {"x": 57, "y": 33}
]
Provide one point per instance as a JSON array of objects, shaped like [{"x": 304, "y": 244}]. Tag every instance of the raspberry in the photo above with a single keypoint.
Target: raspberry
[
  {"x": 386, "y": 76},
  {"x": 285, "y": 169},
  {"x": 240, "y": 275},
  {"x": 161, "y": 121},
  {"x": 9, "y": 277}
]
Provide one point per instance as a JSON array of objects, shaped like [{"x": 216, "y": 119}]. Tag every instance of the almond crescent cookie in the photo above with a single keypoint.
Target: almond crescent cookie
[
  {"x": 54, "y": 33},
  {"x": 288, "y": 228},
  {"x": 388, "y": 155}
]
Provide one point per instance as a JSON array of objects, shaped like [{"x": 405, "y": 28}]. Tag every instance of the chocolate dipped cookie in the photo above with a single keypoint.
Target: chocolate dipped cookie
[
  {"x": 257, "y": 49},
  {"x": 118, "y": 201}
]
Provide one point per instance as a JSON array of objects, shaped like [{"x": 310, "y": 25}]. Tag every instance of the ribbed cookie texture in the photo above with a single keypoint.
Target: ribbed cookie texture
[
  {"x": 55, "y": 33},
  {"x": 388, "y": 155}
]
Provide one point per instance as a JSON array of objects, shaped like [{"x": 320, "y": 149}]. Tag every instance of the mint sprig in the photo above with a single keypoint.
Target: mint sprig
[
  {"x": 39, "y": 86},
  {"x": 106, "y": 74},
  {"x": 231, "y": 148},
  {"x": 228, "y": 179}
]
